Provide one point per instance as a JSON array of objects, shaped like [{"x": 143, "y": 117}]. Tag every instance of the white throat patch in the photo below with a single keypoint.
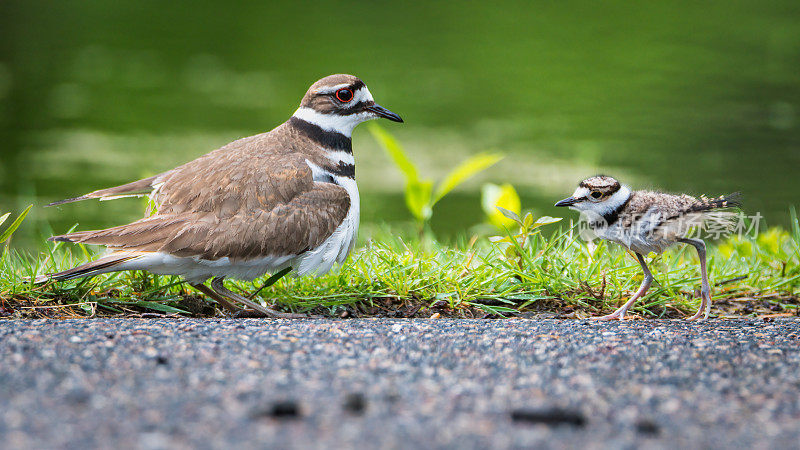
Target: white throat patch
[{"x": 616, "y": 200}]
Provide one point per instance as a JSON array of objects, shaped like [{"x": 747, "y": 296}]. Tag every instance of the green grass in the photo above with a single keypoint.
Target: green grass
[{"x": 397, "y": 273}]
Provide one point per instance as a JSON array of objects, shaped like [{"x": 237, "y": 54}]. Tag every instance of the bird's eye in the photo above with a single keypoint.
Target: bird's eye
[
  {"x": 344, "y": 95},
  {"x": 596, "y": 195}
]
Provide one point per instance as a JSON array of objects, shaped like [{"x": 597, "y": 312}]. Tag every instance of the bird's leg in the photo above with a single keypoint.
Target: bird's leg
[
  {"x": 220, "y": 288},
  {"x": 705, "y": 291},
  {"x": 271, "y": 280},
  {"x": 217, "y": 298},
  {"x": 648, "y": 278}
]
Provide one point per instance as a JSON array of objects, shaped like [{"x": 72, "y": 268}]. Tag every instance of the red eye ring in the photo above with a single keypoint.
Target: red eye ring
[{"x": 344, "y": 95}]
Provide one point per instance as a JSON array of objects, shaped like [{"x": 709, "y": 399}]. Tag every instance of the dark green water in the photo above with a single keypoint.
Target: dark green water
[{"x": 699, "y": 97}]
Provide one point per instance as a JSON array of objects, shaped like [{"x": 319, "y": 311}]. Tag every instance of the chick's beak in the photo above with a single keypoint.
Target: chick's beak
[
  {"x": 380, "y": 111},
  {"x": 569, "y": 201}
]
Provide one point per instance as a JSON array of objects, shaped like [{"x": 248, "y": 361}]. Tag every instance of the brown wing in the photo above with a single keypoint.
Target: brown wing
[
  {"x": 200, "y": 184},
  {"x": 677, "y": 214},
  {"x": 251, "y": 174},
  {"x": 673, "y": 206},
  {"x": 668, "y": 205},
  {"x": 253, "y": 197},
  {"x": 289, "y": 228}
]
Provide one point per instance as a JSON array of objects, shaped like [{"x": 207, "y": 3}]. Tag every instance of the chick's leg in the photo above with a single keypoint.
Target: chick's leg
[
  {"x": 705, "y": 291},
  {"x": 648, "y": 279}
]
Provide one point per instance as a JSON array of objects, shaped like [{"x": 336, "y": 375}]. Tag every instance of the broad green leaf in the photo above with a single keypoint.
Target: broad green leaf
[
  {"x": 504, "y": 196},
  {"x": 545, "y": 220},
  {"x": 510, "y": 214},
  {"x": 14, "y": 225},
  {"x": 465, "y": 170},
  {"x": 4, "y": 217},
  {"x": 395, "y": 151},
  {"x": 418, "y": 199},
  {"x": 527, "y": 222}
]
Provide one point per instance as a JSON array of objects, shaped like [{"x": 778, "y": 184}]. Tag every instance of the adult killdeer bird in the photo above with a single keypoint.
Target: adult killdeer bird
[
  {"x": 645, "y": 221},
  {"x": 265, "y": 203}
]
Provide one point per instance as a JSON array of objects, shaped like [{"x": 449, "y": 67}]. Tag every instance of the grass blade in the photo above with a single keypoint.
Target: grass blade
[{"x": 14, "y": 225}]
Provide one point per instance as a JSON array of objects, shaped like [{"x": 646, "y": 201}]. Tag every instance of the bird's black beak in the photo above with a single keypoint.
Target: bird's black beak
[
  {"x": 569, "y": 201},
  {"x": 383, "y": 112}
]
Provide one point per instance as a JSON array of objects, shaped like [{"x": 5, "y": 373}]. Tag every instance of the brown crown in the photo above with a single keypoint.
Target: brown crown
[
  {"x": 324, "y": 103},
  {"x": 602, "y": 183}
]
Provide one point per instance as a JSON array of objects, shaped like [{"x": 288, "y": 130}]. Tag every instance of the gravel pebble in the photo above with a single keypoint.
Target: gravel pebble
[{"x": 367, "y": 383}]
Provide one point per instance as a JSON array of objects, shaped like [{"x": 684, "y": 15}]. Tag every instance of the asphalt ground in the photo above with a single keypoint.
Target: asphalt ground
[{"x": 386, "y": 383}]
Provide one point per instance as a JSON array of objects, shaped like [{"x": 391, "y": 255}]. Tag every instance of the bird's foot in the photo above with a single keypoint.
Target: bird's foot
[
  {"x": 703, "y": 310},
  {"x": 616, "y": 315},
  {"x": 699, "y": 316}
]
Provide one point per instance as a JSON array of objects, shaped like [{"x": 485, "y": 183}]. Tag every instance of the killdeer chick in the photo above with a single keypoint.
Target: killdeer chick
[
  {"x": 265, "y": 203},
  {"x": 645, "y": 221}
]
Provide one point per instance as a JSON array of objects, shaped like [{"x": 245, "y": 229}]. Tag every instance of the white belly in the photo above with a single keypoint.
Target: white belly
[
  {"x": 197, "y": 270},
  {"x": 339, "y": 244}
]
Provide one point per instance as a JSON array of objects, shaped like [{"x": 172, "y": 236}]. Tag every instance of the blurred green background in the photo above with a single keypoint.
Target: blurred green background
[{"x": 701, "y": 97}]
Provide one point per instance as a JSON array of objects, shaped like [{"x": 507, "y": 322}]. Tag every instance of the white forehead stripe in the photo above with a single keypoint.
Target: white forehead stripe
[
  {"x": 362, "y": 95},
  {"x": 581, "y": 192},
  {"x": 331, "y": 89}
]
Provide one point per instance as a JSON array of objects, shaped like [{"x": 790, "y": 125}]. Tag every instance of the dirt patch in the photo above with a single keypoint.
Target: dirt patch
[{"x": 391, "y": 307}]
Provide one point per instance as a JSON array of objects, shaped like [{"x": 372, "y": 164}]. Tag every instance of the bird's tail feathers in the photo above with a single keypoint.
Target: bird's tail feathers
[
  {"x": 723, "y": 201},
  {"x": 135, "y": 189},
  {"x": 105, "y": 264}
]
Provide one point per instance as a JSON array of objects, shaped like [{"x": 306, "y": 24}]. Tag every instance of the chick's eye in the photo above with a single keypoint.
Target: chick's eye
[
  {"x": 344, "y": 95},
  {"x": 596, "y": 194}
]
